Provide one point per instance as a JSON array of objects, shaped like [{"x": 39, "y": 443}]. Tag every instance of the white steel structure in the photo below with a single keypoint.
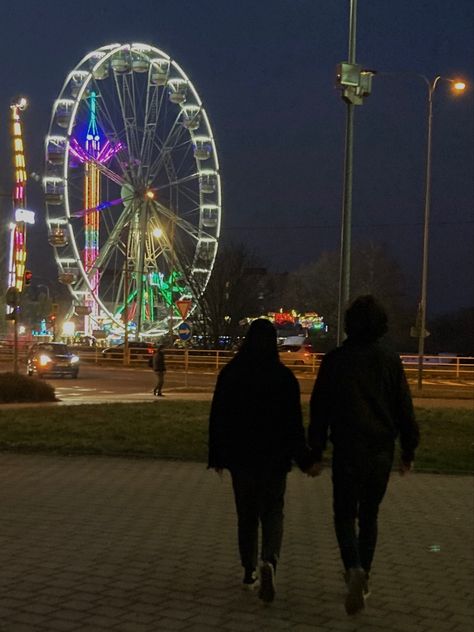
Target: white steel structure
[{"x": 160, "y": 193}]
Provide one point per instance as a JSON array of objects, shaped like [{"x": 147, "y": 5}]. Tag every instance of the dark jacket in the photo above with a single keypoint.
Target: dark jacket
[
  {"x": 255, "y": 420},
  {"x": 361, "y": 397},
  {"x": 159, "y": 361}
]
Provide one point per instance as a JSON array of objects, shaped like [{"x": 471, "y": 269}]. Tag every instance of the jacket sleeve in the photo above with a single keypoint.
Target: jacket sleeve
[
  {"x": 217, "y": 425},
  {"x": 320, "y": 407},
  {"x": 297, "y": 440},
  {"x": 405, "y": 415}
]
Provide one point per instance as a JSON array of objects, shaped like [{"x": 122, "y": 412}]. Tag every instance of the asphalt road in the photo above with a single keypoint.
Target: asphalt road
[{"x": 117, "y": 383}]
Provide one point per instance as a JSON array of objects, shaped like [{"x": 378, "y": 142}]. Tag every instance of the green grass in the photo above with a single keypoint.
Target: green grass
[
  {"x": 179, "y": 430},
  {"x": 447, "y": 439}
]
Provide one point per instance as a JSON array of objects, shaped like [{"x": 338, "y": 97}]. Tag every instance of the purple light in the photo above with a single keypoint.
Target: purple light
[
  {"x": 100, "y": 207},
  {"x": 107, "y": 152}
]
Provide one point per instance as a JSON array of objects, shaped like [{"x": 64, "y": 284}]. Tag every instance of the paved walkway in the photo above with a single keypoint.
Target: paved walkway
[{"x": 95, "y": 544}]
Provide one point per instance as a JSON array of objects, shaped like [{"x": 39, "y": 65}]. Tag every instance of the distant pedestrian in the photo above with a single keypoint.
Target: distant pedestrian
[
  {"x": 159, "y": 368},
  {"x": 255, "y": 431},
  {"x": 362, "y": 400}
]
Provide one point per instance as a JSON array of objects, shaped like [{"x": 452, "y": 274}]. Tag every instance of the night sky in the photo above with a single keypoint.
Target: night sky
[{"x": 265, "y": 70}]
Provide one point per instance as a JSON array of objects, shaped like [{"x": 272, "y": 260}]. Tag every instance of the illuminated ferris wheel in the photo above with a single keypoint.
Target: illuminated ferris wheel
[{"x": 132, "y": 189}]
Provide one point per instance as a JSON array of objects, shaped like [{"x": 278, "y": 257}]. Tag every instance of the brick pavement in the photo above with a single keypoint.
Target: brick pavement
[{"x": 92, "y": 544}]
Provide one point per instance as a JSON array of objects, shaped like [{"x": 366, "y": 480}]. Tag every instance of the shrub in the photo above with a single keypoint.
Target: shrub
[{"x": 21, "y": 388}]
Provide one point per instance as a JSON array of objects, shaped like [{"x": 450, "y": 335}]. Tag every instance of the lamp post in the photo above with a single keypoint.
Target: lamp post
[
  {"x": 356, "y": 84},
  {"x": 458, "y": 86},
  {"x": 126, "y": 355}
]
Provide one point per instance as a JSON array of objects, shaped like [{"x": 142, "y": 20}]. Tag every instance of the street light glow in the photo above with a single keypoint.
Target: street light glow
[
  {"x": 458, "y": 86},
  {"x": 21, "y": 103},
  {"x": 157, "y": 232},
  {"x": 150, "y": 195},
  {"x": 69, "y": 328}
]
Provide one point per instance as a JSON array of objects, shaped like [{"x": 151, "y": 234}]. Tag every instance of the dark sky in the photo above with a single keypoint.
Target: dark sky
[{"x": 265, "y": 70}]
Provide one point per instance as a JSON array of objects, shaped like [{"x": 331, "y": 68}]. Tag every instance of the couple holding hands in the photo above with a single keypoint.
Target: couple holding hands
[{"x": 360, "y": 401}]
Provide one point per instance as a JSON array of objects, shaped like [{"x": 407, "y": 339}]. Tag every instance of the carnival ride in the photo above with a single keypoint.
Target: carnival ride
[
  {"x": 132, "y": 189},
  {"x": 21, "y": 216}
]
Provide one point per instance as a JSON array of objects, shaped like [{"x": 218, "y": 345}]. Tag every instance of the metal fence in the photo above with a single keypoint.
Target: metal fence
[{"x": 212, "y": 361}]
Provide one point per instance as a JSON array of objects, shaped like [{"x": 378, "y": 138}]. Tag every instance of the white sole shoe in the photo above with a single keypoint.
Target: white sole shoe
[{"x": 267, "y": 582}]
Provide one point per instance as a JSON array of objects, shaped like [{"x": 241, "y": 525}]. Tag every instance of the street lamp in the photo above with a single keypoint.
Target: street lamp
[
  {"x": 458, "y": 86},
  {"x": 355, "y": 84}
]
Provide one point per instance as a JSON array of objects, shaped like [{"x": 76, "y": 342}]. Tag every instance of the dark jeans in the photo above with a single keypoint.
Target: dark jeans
[
  {"x": 259, "y": 497},
  {"x": 160, "y": 379},
  {"x": 359, "y": 484}
]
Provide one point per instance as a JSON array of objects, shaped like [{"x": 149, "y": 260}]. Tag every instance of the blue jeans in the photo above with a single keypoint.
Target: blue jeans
[
  {"x": 360, "y": 480},
  {"x": 259, "y": 498}
]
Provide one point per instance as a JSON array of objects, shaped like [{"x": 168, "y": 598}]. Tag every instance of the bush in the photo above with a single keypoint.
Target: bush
[{"x": 21, "y": 388}]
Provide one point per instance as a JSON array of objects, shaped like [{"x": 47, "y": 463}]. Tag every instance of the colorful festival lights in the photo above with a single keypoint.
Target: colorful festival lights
[
  {"x": 93, "y": 156},
  {"x": 17, "y": 255}
]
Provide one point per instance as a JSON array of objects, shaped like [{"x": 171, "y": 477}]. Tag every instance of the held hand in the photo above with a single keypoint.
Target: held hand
[
  {"x": 315, "y": 469},
  {"x": 405, "y": 468}
]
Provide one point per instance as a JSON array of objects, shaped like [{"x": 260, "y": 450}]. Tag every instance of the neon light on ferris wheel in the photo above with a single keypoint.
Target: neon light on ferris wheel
[{"x": 91, "y": 154}]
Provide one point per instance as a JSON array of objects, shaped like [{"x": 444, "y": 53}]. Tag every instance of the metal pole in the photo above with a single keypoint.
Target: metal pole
[
  {"x": 15, "y": 339},
  {"x": 426, "y": 225},
  {"x": 140, "y": 268},
  {"x": 173, "y": 265},
  {"x": 346, "y": 222},
  {"x": 126, "y": 359}
]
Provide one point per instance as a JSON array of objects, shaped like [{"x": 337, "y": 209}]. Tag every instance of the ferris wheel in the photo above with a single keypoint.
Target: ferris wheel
[{"x": 132, "y": 189}]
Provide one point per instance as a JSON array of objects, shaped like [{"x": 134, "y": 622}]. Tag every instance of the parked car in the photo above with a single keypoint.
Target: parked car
[
  {"x": 299, "y": 351},
  {"x": 52, "y": 358},
  {"x": 137, "y": 350}
]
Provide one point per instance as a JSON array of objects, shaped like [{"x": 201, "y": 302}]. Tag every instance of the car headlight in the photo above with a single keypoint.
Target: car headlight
[
  {"x": 44, "y": 360},
  {"x": 74, "y": 359}
]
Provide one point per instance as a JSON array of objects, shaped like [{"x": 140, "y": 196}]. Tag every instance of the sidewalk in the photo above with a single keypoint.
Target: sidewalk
[{"x": 96, "y": 544}]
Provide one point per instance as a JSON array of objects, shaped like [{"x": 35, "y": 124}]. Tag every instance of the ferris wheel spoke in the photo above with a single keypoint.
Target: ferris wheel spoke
[
  {"x": 126, "y": 97},
  {"x": 154, "y": 105},
  {"x": 112, "y": 175},
  {"x": 101, "y": 207},
  {"x": 185, "y": 159},
  {"x": 181, "y": 223},
  {"x": 177, "y": 182},
  {"x": 86, "y": 158},
  {"x": 114, "y": 237},
  {"x": 165, "y": 148}
]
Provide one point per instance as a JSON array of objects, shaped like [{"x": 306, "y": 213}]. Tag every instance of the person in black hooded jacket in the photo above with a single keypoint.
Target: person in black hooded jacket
[
  {"x": 256, "y": 432},
  {"x": 362, "y": 400}
]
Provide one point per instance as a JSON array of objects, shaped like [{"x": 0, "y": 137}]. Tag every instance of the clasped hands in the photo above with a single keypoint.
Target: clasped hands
[{"x": 315, "y": 469}]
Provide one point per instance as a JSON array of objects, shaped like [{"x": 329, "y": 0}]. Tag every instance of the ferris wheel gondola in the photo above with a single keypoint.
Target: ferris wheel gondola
[{"x": 132, "y": 187}]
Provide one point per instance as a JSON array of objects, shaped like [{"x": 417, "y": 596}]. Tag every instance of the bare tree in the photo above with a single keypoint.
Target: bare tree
[
  {"x": 233, "y": 293},
  {"x": 314, "y": 287}
]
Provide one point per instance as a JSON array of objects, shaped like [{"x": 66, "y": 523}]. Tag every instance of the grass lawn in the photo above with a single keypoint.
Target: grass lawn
[{"x": 179, "y": 430}]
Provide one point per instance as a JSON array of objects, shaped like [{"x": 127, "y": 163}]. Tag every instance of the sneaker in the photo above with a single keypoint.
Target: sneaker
[
  {"x": 267, "y": 582},
  {"x": 250, "y": 580},
  {"x": 366, "y": 588},
  {"x": 356, "y": 580}
]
